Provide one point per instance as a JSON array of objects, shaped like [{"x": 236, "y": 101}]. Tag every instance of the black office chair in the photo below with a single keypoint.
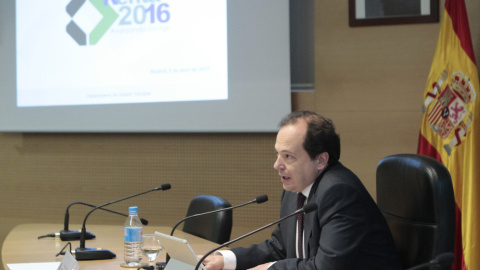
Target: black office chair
[
  {"x": 215, "y": 227},
  {"x": 415, "y": 194}
]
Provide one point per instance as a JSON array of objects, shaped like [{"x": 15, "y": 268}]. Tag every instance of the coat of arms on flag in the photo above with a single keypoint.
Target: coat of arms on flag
[
  {"x": 450, "y": 129},
  {"x": 447, "y": 106}
]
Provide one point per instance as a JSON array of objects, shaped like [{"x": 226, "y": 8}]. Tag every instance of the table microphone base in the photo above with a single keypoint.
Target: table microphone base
[
  {"x": 70, "y": 235},
  {"x": 84, "y": 254}
]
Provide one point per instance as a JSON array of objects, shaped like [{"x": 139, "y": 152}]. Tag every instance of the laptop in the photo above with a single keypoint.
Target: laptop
[{"x": 182, "y": 256}]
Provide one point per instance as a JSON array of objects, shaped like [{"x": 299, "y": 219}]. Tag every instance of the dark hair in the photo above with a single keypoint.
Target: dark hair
[{"x": 320, "y": 137}]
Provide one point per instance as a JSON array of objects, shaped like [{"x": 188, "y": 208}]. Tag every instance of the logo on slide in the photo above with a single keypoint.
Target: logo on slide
[{"x": 109, "y": 17}]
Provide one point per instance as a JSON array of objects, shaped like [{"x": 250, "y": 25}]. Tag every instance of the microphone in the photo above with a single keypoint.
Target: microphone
[
  {"x": 83, "y": 253},
  {"x": 444, "y": 259},
  {"x": 70, "y": 235},
  {"x": 260, "y": 199},
  {"x": 309, "y": 207}
]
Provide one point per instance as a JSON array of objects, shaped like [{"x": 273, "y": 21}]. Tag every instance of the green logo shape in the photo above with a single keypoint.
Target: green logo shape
[{"x": 109, "y": 17}]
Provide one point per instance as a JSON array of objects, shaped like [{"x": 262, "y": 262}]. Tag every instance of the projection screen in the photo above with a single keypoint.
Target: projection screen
[{"x": 144, "y": 65}]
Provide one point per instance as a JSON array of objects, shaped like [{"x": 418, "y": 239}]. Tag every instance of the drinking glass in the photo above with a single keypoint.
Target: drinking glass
[{"x": 151, "y": 246}]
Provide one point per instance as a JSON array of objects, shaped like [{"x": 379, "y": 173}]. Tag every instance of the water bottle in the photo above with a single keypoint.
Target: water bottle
[{"x": 132, "y": 238}]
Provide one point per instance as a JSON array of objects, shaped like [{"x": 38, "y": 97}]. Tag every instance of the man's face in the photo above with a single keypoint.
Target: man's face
[{"x": 295, "y": 167}]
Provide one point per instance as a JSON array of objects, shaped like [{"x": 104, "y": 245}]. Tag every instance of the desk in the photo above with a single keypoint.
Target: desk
[{"x": 22, "y": 246}]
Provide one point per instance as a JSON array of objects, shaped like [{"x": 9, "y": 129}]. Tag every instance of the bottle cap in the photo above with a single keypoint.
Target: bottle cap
[{"x": 133, "y": 210}]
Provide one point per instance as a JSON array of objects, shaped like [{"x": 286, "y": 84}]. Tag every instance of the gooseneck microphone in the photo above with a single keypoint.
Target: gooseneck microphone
[
  {"x": 260, "y": 199},
  {"x": 444, "y": 259},
  {"x": 82, "y": 253},
  {"x": 70, "y": 235},
  {"x": 309, "y": 207}
]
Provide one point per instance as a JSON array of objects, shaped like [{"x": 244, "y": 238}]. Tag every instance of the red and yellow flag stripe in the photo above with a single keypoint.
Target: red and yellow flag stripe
[{"x": 450, "y": 130}]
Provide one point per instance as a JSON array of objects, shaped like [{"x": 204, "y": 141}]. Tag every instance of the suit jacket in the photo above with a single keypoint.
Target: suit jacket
[{"x": 347, "y": 231}]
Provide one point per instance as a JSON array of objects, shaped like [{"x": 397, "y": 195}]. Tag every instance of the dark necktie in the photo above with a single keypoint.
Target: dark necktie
[{"x": 300, "y": 202}]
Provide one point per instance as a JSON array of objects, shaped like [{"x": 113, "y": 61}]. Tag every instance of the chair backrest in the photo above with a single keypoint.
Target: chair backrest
[
  {"x": 415, "y": 194},
  {"x": 215, "y": 227}
]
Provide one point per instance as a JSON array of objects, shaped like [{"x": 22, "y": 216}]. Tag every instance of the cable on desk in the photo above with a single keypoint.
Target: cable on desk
[
  {"x": 47, "y": 235},
  {"x": 62, "y": 251}
]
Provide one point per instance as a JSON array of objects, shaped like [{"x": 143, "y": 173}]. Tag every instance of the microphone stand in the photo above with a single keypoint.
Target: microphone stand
[
  {"x": 83, "y": 253},
  {"x": 309, "y": 207},
  {"x": 260, "y": 199},
  {"x": 69, "y": 235}
]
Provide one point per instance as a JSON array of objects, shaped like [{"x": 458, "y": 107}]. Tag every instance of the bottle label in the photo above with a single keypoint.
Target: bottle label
[{"x": 133, "y": 234}]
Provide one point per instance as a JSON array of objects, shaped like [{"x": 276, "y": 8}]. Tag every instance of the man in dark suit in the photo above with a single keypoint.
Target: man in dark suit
[{"x": 347, "y": 231}]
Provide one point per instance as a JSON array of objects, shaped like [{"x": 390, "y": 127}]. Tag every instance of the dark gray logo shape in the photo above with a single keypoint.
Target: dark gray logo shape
[{"x": 72, "y": 28}]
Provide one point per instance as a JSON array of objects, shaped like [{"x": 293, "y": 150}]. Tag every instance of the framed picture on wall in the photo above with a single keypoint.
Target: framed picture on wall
[{"x": 387, "y": 12}]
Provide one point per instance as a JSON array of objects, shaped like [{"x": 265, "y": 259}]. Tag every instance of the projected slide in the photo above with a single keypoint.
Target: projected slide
[{"x": 88, "y": 52}]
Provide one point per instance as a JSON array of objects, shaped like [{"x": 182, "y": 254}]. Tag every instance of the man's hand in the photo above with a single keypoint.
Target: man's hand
[
  {"x": 261, "y": 266},
  {"x": 213, "y": 262}
]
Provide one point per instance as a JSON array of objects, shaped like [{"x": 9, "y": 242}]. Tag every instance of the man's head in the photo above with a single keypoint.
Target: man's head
[{"x": 306, "y": 144}]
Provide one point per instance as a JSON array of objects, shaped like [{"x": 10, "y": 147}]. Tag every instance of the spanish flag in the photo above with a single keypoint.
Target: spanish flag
[{"x": 450, "y": 129}]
